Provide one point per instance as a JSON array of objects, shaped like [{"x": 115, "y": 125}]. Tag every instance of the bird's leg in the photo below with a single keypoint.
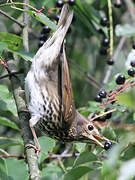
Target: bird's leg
[{"x": 32, "y": 123}]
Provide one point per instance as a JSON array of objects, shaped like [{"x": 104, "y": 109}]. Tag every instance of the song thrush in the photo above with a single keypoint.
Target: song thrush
[{"x": 49, "y": 92}]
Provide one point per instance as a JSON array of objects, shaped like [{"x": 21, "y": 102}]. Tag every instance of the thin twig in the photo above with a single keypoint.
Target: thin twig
[
  {"x": 4, "y": 152},
  {"x": 63, "y": 155},
  {"x": 52, "y": 156},
  {"x": 14, "y": 156},
  {"x": 111, "y": 27},
  {"x": 67, "y": 149},
  {"x": 21, "y": 4},
  {"x": 11, "y": 18},
  {"x": 102, "y": 114},
  {"x": 61, "y": 164},
  {"x": 11, "y": 74}
]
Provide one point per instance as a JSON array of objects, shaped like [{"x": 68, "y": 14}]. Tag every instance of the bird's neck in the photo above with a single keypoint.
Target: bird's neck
[{"x": 76, "y": 127}]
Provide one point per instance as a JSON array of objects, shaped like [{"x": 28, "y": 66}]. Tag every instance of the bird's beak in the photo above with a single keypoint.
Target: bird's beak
[{"x": 98, "y": 138}]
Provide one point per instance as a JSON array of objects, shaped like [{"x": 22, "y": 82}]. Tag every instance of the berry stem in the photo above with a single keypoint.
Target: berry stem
[
  {"x": 111, "y": 27},
  {"x": 103, "y": 114}
]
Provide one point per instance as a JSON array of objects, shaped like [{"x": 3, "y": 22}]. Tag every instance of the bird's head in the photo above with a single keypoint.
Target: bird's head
[{"x": 85, "y": 130}]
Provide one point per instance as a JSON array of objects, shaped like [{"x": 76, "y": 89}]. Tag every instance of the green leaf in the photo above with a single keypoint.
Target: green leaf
[
  {"x": 103, "y": 3},
  {"x": 84, "y": 158},
  {"x": 77, "y": 173},
  {"x": 6, "y": 100},
  {"x": 109, "y": 133},
  {"x": 25, "y": 55},
  {"x": 107, "y": 173},
  {"x": 12, "y": 41},
  {"x": 47, "y": 145},
  {"x": 80, "y": 147},
  {"x": 17, "y": 169},
  {"x": 43, "y": 19},
  {"x": 7, "y": 142},
  {"x": 94, "y": 107},
  {"x": 125, "y": 30},
  {"x": 85, "y": 21},
  {"x": 2, "y": 47},
  {"x": 127, "y": 99},
  {"x": 3, "y": 170},
  {"x": 51, "y": 172},
  {"x": 6, "y": 122}
]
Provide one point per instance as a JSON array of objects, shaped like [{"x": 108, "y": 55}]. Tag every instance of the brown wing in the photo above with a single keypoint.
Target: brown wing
[{"x": 68, "y": 111}]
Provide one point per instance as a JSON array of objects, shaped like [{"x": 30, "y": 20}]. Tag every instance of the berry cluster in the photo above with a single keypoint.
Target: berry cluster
[
  {"x": 131, "y": 72},
  {"x": 60, "y": 3},
  {"x": 120, "y": 80},
  {"x": 105, "y": 43},
  {"x": 102, "y": 94},
  {"x": 46, "y": 30},
  {"x": 44, "y": 35}
]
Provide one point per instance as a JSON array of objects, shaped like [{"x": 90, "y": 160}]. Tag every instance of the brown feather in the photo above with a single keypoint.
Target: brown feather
[{"x": 67, "y": 92}]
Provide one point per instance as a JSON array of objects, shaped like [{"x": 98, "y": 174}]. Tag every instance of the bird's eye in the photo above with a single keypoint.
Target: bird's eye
[{"x": 90, "y": 127}]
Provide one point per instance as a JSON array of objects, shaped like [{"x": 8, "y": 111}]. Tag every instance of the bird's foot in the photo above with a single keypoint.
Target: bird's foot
[{"x": 36, "y": 148}]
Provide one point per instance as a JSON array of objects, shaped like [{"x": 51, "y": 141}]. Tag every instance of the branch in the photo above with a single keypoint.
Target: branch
[
  {"x": 11, "y": 18},
  {"x": 25, "y": 33},
  {"x": 24, "y": 119}
]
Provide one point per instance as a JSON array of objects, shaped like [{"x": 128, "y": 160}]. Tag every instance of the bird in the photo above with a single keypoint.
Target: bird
[{"x": 49, "y": 92}]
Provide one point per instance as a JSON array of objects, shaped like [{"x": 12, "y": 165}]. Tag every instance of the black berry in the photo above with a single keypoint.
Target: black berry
[
  {"x": 43, "y": 37},
  {"x": 133, "y": 45},
  {"x": 90, "y": 127},
  {"x": 57, "y": 17},
  {"x": 101, "y": 31},
  {"x": 132, "y": 63},
  {"x": 110, "y": 62},
  {"x": 131, "y": 72},
  {"x": 107, "y": 145},
  {"x": 120, "y": 79},
  {"x": 109, "y": 115},
  {"x": 104, "y": 21},
  {"x": 41, "y": 43},
  {"x": 59, "y": 3},
  {"x": 71, "y": 2},
  {"x": 103, "y": 51},
  {"x": 105, "y": 42},
  {"x": 45, "y": 30},
  {"x": 98, "y": 98},
  {"x": 102, "y": 93},
  {"x": 117, "y": 4},
  {"x": 116, "y": 121}
]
